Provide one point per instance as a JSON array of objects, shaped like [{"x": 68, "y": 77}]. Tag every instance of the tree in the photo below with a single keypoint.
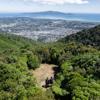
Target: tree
[{"x": 33, "y": 61}]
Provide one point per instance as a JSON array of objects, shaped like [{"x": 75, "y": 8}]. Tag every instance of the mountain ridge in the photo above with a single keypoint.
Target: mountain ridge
[{"x": 88, "y": 37}]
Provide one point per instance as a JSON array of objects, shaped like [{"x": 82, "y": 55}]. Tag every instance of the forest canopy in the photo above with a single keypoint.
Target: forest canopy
[{"x": 78, "y": 58}]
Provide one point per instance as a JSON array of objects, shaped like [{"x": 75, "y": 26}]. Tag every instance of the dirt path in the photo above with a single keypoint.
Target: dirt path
[{"x": 43, "y": 72}]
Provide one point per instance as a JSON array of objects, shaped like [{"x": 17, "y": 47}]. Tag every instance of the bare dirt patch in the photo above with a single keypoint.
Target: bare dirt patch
[{"x": 43, "y": 72}]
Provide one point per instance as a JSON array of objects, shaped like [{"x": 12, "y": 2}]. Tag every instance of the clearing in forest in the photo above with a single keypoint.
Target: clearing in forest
[{"x": 43, "y": 72}]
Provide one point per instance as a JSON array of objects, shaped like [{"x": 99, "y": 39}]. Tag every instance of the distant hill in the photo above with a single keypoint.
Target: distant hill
[
  {"x": 87, "y": 37},
  {"x": 49, "y": 15},
  {"x": 56, "y": 15},
  {"x": 43, "y": 15}
]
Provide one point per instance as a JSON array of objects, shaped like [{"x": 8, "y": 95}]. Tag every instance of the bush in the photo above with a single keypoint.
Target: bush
[{"x": 33, "y": 62}]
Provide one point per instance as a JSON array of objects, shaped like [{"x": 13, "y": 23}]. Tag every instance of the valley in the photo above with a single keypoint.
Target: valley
[
  {"x": 44, "y": 30},
  {"x": 26, "y": 69}
]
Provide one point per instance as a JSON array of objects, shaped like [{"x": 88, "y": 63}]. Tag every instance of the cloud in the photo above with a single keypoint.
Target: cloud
[{"x": 60, "y": 1}]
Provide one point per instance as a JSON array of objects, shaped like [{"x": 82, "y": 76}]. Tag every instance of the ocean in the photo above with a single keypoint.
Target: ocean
[{"x": 64, "y": 16}]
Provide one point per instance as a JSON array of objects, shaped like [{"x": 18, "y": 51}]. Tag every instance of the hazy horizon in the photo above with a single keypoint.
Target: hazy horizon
[{"x": 50, "y": 11}]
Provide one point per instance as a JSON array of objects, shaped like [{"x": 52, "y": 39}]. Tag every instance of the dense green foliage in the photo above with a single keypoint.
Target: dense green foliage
[
  {"x": 78, "y": 74},
  {"x": 17, "y": 58},
  {"x": 15, "y": 82},
  {"x": 12, "y": 41},
  {"x": 87, "y": 37},
  {"x": 33, "y": 62}
]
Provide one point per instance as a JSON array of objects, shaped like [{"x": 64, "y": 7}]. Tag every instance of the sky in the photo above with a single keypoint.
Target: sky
[{"x": 68, "y": 6}]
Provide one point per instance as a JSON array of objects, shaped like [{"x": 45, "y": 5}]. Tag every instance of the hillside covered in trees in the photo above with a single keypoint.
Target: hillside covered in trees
[
  {"x": 78, "y": 59},
  {"x": 87, "y": 37}
]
